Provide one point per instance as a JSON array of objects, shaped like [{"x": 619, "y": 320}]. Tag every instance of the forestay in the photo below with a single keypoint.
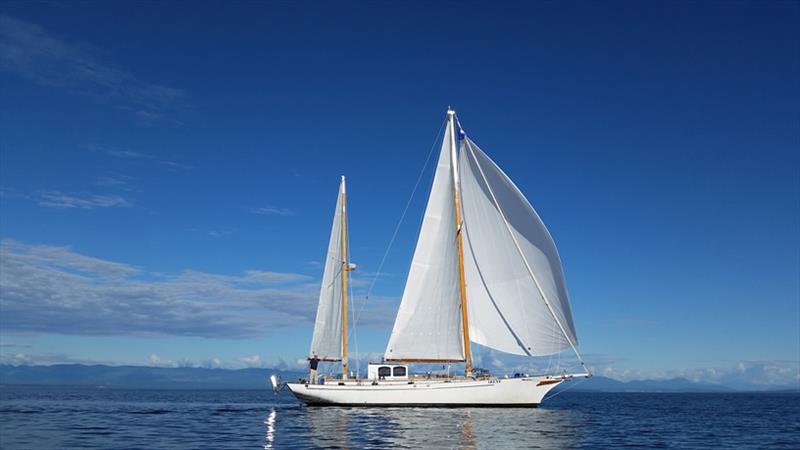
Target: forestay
[
  {"x": 428, "y": 323},
  {"x": 326, "y": 343},
  {"x": 506, "y": 309}
]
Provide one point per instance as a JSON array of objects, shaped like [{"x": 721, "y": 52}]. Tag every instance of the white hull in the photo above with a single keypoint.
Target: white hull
[{"x": 527, "y": 391}]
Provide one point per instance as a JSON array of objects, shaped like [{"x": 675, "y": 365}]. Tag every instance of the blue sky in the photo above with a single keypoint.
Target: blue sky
[{"x": 169, "y": 171}]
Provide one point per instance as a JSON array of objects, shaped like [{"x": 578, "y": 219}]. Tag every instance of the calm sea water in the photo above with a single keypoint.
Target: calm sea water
[{"x": 39, "y": 418}]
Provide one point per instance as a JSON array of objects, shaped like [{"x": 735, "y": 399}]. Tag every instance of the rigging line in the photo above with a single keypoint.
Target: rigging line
[
  {"x": 577, "y": 383},
  {"x": 558, "y": 361},
  {"x": 400, "y": 222},
  {"x": 491, "y": 297},
  {"x": 521, "y": 254},
  {"x": 557, "y": 356},
  {"x": 352, "y": 301},
  {"x": 551, "y": 357}
]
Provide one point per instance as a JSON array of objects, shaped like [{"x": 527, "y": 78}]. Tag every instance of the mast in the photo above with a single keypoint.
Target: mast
[
  {"x": 345, "y": 269},
  {"x": 461, "y": 280}
]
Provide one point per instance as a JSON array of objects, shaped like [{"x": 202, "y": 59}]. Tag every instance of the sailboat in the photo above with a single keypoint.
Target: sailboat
[{"x": 485, "y": 270}]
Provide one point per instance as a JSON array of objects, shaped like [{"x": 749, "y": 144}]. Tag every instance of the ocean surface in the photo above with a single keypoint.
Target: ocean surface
[{"x": 52, "y": 417}]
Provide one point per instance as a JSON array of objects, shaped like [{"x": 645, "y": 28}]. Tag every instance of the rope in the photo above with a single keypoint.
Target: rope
[
  {"x": 552, "y": 357},
  {"x": 566, "y": 389},
  {"x": 399, "y": 223},
  {"x": 352, "y": 300}
]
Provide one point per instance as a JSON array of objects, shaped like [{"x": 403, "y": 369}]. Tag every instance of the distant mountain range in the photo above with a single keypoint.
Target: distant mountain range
[
  {"x": 604, "y": 384},
  {"x": 138, "y": 377}
]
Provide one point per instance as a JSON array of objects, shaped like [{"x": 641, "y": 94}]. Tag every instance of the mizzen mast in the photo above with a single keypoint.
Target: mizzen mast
[{"x": 459, "y": 244}]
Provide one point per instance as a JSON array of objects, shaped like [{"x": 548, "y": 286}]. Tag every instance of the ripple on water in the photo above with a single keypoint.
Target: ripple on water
[{"x": 91, "y": 418}]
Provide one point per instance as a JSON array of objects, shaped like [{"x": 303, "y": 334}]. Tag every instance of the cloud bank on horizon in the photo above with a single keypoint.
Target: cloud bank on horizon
[
  {"x": 53, "y": 289},
  {"x": 742, "y": 375}
]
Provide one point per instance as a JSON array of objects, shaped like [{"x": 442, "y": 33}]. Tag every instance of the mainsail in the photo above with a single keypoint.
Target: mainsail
[
  {"x": 326, "y": 344},
  {"x": 507, "y": 310},
  {"x": 428, "y": 323}
]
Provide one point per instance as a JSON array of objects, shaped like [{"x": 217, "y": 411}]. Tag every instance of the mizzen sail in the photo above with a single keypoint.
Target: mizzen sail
[{"x": 326, "y": 343}]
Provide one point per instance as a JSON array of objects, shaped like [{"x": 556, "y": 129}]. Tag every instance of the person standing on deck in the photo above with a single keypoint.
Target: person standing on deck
[{"x": 312, "y": 365}]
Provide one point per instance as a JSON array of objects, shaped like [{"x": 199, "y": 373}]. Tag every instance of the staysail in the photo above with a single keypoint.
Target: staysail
[
  {"x": 326, "y": 344},
  {"x": 507, "y": 310},
  {"x": 428, "y": 323}
]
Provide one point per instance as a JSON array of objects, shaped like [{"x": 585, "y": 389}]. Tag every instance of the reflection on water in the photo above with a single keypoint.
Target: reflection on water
[
  {"x": 270, "y": 425},
  {"x": 58, "y": 417},
  {"x": 468, "y": 428}
]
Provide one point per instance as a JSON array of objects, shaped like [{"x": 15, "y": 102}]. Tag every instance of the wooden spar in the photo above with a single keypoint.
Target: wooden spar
[
  {"x": 459, "y": 245},
  {"x": 424, "y": 360},
  {"x": 327, "y": 359},
  {"x": 345, "y": 269}
]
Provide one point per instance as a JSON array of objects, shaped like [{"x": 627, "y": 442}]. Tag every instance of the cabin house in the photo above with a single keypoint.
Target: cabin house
[{"x": 388, "y": 372}]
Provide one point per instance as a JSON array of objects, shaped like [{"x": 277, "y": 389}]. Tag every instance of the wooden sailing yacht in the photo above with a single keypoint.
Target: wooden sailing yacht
[{"x": 485, "y": 270}]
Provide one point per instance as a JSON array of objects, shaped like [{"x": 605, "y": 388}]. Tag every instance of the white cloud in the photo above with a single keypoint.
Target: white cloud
[
  {"x": 61, "y": 200},
  {"x": 272, "y": 211},
  {"x": 259, "y": 276},
  {"x": 15, "y": 359},
  {"x": 252, "y": 361},
  {"x": 213, "y": 363},
  {"x": 62, "y": 259},
  {"x": 49, "y": 289},
  {"x": 115, "y": 181},
  {"x": 742, "y": 375},
  {"x": 137, "y": 155},
  {"x": 127, "y": 154},
  {"x": 156, "y": 361},
  {"x": 45, "y": 358},
  {"x": 29, "y": 51},
  {"x": 174, "y": 165},
  {"x": 222, "y": 232}
]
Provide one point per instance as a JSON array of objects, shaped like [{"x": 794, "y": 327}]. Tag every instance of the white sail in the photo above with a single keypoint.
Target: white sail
[
  {"x": 428, "y": 323},
  {"x": 326, "y": 343},
  {"x": 506, "y": 309}
]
